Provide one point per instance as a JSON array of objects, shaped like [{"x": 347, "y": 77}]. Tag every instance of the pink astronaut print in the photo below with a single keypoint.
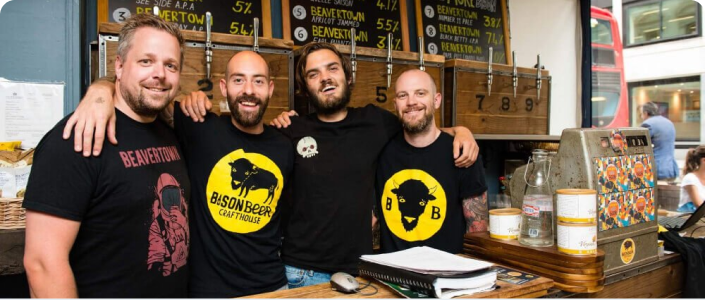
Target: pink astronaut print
[{"x": 169, "y": 230}]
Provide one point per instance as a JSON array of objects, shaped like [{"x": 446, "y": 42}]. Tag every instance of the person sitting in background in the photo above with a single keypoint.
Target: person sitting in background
[
  {"x": 663, "y": 136},
  {"x": 693, "y": 183}
]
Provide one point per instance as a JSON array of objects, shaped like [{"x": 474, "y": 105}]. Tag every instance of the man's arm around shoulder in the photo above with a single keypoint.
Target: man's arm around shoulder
[{"x": 48, "y": 241}]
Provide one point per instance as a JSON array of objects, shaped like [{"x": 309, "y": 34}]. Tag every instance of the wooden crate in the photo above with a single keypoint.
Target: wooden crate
[
  {"x": 371, "y": 78},
  {"x": 278, "y": 54},
  {"x": 468, "y": 103}
]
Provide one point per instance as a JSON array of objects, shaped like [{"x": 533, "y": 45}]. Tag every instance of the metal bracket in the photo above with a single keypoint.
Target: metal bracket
[
  {"x": 422, "y": 65},
  {"x": 538, "y": 76},
  {"x": 209, "y": 45},
  {"x": 353, "y": 55},
  {"x": 515, "y": 79},
  {"x": 389, "y": 59},
  {"x": 489, "y": 74},
  {"x": 255, "y": 45}
]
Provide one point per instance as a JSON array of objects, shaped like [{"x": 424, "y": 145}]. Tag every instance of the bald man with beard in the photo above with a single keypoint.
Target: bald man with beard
[{"x": 423, "y": 199}]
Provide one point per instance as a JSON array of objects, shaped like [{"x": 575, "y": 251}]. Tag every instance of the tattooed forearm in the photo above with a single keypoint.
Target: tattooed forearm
[
  {"x": 476, "y": 213},
  {"x": 100, "y": 100}
]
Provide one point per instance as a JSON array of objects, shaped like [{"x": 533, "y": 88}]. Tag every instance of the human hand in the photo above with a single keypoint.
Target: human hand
[
  {"x": 88, "y": 122},
  {"x": 196, "y": 105},
  {"x": 465, "y": 148},
  {"x": 284, "y": 119}
]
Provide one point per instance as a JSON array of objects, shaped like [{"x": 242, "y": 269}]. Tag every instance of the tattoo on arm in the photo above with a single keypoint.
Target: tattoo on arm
[
  {"x": 100, "y": 100},
  {"x": 476, "y": 213}
]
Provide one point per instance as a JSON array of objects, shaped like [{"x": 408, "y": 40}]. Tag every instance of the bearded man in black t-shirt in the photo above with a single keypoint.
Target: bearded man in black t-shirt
[
  {"x": 423, "y": 199},
  {"x": 238, "y": 168},
  {"x": 328, "y": 222},
  {"x": 92, "y": 227}
]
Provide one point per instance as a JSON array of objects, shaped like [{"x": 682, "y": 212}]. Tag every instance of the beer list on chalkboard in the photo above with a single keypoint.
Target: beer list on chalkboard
[
  {"x": 234, "y": 17},
  {"x": 330, "y": 21},
  {"x": 464, "y": 29}
]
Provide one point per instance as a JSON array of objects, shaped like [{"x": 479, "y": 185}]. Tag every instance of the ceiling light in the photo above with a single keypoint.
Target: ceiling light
[{"x": 680, "y": 19}]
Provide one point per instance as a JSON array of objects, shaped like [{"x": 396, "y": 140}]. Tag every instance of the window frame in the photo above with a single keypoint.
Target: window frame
[
  {"x": 664, "y": 81},
  {"x": 627, "y": 32}
]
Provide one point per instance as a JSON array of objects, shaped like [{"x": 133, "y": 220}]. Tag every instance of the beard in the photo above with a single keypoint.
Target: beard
[
  {"x": 334, "y": 105},
  {"x": 409, "y": 225},
  {"x": 419, "y": 126},
  {"x": 140, "y": 105},
  {"x": 247, "y": 119}
]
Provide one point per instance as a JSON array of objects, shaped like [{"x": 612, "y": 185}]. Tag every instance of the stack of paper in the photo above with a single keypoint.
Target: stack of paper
[{"x": 430, "y": 271}]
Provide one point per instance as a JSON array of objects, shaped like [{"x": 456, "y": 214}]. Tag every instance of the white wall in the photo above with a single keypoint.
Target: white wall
[
  {"x": 551, "y": 28},
  {"x": 665, "y": 60},
  {"x": 40, "y": 42}
]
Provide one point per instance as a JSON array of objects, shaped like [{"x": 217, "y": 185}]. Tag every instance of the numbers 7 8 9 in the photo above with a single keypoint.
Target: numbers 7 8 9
[{"x": 505, "y": 103}]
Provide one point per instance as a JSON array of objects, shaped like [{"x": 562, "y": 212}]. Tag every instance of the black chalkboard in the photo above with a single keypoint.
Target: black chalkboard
[
  {"x": 234, "y": 17},
  {"x": 330, "y": 21},
  {"x": 464, "y": 29}
]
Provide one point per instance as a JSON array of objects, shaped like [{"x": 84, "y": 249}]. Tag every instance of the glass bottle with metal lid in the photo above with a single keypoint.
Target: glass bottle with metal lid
[{"x": 537, "y": 204}]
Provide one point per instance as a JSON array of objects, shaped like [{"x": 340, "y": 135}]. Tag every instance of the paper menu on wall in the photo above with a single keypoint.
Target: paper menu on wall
[
  {"x": 427, "y": 260},
  {"x": 29, "y": 110}
]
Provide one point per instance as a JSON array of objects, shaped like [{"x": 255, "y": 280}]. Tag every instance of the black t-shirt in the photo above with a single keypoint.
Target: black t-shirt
[
  {"x": 132, "y": 204},
  {"x": 237, "y": 180},
  {"x": 328, "y": 222},
  {"x": 420, "y": 194}
]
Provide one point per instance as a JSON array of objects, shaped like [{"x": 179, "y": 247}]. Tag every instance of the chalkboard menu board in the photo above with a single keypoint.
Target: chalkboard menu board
[
  {"x": 464, "y": 29},
  {"x": 330, "y": 21},
  {"x": 234, "y": 17}
]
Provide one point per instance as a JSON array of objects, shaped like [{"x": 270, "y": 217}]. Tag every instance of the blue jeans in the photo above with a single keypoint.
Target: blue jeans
[{"x": 301, "y": 277}]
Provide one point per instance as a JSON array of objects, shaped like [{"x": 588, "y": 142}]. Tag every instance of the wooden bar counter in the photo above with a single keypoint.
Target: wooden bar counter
[
  {"x": 663, "y": 278},
  {"x": 532, "y": 289}
]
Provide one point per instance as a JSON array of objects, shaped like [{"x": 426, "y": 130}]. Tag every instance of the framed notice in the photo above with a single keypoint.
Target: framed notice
[
  {"x": 233, "y": 17},
  {"x": 465, "y": 29},
  {"x": 331, "y": 20}
]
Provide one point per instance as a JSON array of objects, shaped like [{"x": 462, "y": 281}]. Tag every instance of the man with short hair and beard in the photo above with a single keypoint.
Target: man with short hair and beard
[
  {"x": 236, "y": 238},
  {"x": 328, "y": 222},
  {"x": 89, "y": 221},
  {"x": 423, "y": 199}
]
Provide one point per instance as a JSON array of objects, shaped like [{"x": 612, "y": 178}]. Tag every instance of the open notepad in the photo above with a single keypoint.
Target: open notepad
[{"x": 430, "y": 271}]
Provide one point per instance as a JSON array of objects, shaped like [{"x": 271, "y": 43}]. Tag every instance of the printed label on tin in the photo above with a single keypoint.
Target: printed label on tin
[
  {"x": 577, "y": 239},
  {"x": 576, "y": 208}
]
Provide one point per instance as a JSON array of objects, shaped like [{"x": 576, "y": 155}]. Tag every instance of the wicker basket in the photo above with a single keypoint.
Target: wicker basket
[{"x": 12, "y": 215}]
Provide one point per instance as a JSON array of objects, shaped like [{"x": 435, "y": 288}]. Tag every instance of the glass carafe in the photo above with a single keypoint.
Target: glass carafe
[{"x": 537, "y": 204}]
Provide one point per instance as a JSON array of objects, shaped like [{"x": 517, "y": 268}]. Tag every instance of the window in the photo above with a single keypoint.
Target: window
[
  {"x": 655, "y": 21},
  {"x": 678, "y": 100},
  {"x": 601, "y": 31}
]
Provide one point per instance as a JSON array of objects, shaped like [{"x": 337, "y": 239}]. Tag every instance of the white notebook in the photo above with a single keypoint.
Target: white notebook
[{"x": 427, "y": 260}]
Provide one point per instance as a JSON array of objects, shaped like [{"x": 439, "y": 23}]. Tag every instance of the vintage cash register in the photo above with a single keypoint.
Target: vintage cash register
[{"x": 619, "y": 164}]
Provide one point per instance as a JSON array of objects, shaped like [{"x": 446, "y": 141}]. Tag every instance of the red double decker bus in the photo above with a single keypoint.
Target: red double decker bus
[{"x": 610, "y": 108}]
